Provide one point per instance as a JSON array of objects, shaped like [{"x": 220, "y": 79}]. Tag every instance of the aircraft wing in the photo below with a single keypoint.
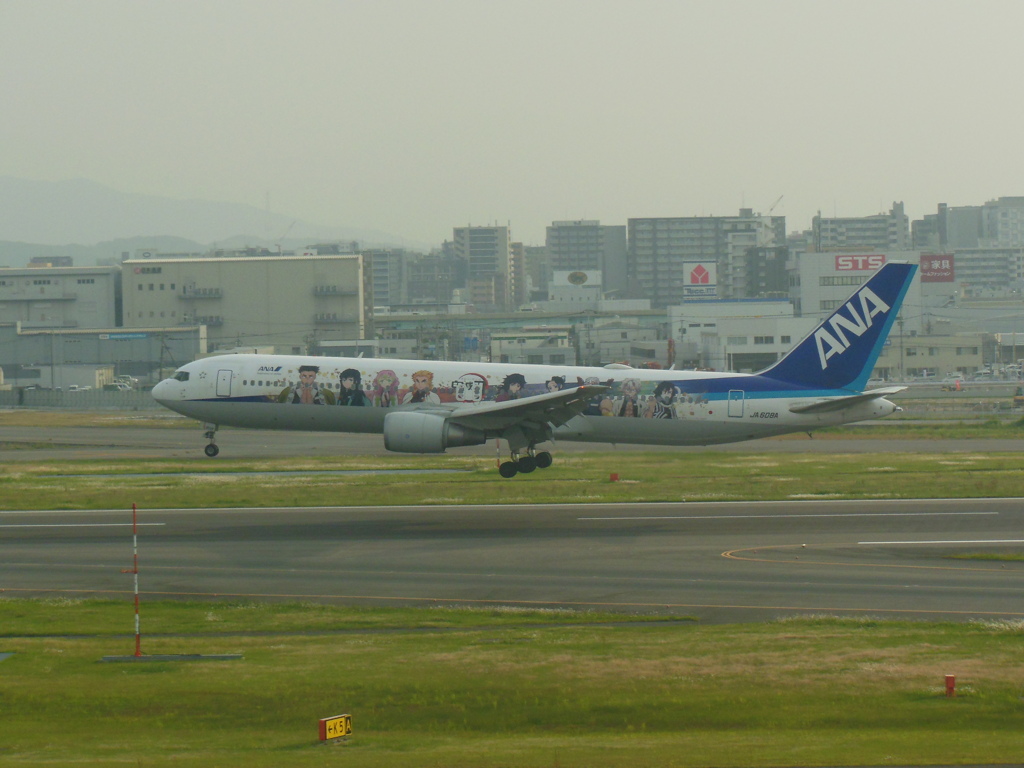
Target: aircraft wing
[
  {"x": 839, "y": 403},
  {"x": 554, "y": 408}
]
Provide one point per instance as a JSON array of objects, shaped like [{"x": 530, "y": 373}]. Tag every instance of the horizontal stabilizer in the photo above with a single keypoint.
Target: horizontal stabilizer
[{"x": 839, "y": 403}]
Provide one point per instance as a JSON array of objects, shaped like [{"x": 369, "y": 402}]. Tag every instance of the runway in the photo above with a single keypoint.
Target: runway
[
  {"x": 721, "y": 562},
  {"x": 183, "y": 439}
]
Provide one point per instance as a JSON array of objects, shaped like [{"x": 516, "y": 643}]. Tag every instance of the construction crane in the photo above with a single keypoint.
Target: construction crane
[{"x": 282, "y": 237}]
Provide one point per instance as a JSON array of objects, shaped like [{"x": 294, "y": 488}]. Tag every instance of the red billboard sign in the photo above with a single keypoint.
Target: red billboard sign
[
  {"x": 937, "y": 268},
  {"x": 849, "y": 262}
]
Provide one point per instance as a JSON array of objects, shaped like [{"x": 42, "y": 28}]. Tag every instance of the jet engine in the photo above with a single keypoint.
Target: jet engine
[{"x": 415, "y": 432}]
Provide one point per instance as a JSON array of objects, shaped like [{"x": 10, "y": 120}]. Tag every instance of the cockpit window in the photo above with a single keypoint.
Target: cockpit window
[{"x": 181, "y": 376}]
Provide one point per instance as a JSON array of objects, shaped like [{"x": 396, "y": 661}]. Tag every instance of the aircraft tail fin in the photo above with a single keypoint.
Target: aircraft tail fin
[{"x": 841, "y": 352}]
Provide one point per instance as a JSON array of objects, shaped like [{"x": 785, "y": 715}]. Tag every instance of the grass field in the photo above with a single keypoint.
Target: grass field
[
  {"x": 656, "y": 476},
  {"x": 463, "y": 688},
  {"x": 446, "y": 687}
]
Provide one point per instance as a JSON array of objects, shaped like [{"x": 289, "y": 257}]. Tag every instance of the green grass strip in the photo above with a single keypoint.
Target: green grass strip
[
  {"x": 654, "y": 476},
  {"x": 443, "y": 687}
]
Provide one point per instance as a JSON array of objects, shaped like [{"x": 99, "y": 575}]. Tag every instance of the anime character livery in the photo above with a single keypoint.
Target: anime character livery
[{"x": 429, "y": 407}]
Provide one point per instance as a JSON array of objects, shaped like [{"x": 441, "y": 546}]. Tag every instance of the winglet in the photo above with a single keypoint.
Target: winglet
[{"x": 841, "y": 352}]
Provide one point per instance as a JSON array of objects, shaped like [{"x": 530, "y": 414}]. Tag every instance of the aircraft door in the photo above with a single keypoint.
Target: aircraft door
[
  {"x": 735, "y": 403},
  {"x": 224, "y": 383}
]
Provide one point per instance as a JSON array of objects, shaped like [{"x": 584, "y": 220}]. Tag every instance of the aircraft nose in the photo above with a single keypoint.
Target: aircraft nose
[{"x": 164, "y": 391}]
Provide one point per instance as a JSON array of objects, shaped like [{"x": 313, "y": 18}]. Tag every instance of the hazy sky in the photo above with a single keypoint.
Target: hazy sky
[{"x": 413, "y": 117}]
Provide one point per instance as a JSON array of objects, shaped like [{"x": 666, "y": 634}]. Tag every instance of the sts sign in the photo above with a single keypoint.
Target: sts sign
[{"x": 848, "y": 262}]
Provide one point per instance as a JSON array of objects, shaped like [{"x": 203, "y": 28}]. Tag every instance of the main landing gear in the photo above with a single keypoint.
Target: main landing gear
[
  {"x": 525, "y": 464},
  {"x": 210, "y": 450}
]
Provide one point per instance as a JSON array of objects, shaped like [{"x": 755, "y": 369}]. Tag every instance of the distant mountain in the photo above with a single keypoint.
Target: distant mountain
[{"x": 88, "y": 220}]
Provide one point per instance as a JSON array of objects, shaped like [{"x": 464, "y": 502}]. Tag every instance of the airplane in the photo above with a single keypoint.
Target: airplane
[{"x": 428, "y": 407}]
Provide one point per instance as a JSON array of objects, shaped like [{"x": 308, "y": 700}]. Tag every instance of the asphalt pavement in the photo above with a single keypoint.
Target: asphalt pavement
[
  {"x": 716, "y": 562},
  {"x": 183, "y": 439}
]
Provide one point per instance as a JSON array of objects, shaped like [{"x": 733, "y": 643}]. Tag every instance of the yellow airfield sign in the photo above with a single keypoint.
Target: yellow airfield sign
[{"x": 337, "y": 727}]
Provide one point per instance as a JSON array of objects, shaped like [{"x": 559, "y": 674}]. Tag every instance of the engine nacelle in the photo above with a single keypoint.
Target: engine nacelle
[{"x": 415, "y": 432}]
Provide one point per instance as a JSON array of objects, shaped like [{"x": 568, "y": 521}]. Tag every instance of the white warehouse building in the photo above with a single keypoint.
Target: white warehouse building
[{"x": 287, "y": 302}]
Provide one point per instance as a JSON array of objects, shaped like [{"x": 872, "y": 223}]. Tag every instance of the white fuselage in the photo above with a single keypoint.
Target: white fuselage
[{"x": 657, "y": 407}]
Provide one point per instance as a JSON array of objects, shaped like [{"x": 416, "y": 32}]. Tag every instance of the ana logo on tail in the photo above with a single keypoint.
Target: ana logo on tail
[{"x": 836, "y": 342}]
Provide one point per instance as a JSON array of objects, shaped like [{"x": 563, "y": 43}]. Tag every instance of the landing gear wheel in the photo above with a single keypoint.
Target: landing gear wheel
[
  {"x": 210, "y": 432},
  {"x": 544, "y": 460},
  {"x": 508, "y": 469},
  {"x": 527, "y": 464}
]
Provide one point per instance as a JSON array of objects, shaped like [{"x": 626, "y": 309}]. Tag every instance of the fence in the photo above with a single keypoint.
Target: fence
[{"x": 90, "y": 399}]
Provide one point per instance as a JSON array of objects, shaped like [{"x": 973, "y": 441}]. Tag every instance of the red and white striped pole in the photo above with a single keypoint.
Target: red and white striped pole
[{"x": 135, "y": 573}]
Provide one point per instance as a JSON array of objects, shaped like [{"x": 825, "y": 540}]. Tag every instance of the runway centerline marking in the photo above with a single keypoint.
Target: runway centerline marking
[
  {"x": 953, "y": 541},
  {"x": 810, "y": 515},
  {"x": 74, "y": 525}
]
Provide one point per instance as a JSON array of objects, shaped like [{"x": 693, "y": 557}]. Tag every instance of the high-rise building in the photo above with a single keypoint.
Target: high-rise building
[
  {"x": 386, "y": 269},
  {"x": 985, "y": 241},
  {"x": 883, "y": 231},
  {"x": 519, "y": 287},
  {"x": 431, "y": 278},
  {"x": 1002, "y": 222},
  {"x": 760, "y": 272},
  {"x": 665, "y": 253},
  {"x": 587, "y": 246},
  {"x": 538, "y": 271},
  {"x": 487, "y": 253},
  {"x": 949, "y": 228}
]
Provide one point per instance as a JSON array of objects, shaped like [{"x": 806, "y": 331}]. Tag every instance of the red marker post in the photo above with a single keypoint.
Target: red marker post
[{"x": 135, "y": 575}]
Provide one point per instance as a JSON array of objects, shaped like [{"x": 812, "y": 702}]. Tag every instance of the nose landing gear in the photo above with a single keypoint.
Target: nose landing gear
[{"x": 211, "y": 449}]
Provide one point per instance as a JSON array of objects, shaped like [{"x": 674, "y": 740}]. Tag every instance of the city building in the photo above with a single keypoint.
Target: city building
[
  {"x": 759, "y": 272},
  {"x": 538, "y": 271},
  {"x": 670, "y": 259},
  {"x": 882, "y": 232},
  {"x": 909, "y": 356},
  {"x": 824, "y": 282},
  {"x": 387, "y": 275},
  {"x": 541, "y": 345},
  {"x": 290, "y": 302},
  {"x": 588, "y": 246},
  {"x": 736, "y": 335},
  {"x": 519, "y": 283},
  {"x": 579, "y": 289},
  {"x": 988, "y": 272},
  {"x": 58, "y": 358},
  {"x": 486, "y": 252},
  {"x": 60, "y": 297},
  {"x": 620, "y": 341},
  {"x": 433, "y": 278},
  {"x": 1002, "y": 222}
]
